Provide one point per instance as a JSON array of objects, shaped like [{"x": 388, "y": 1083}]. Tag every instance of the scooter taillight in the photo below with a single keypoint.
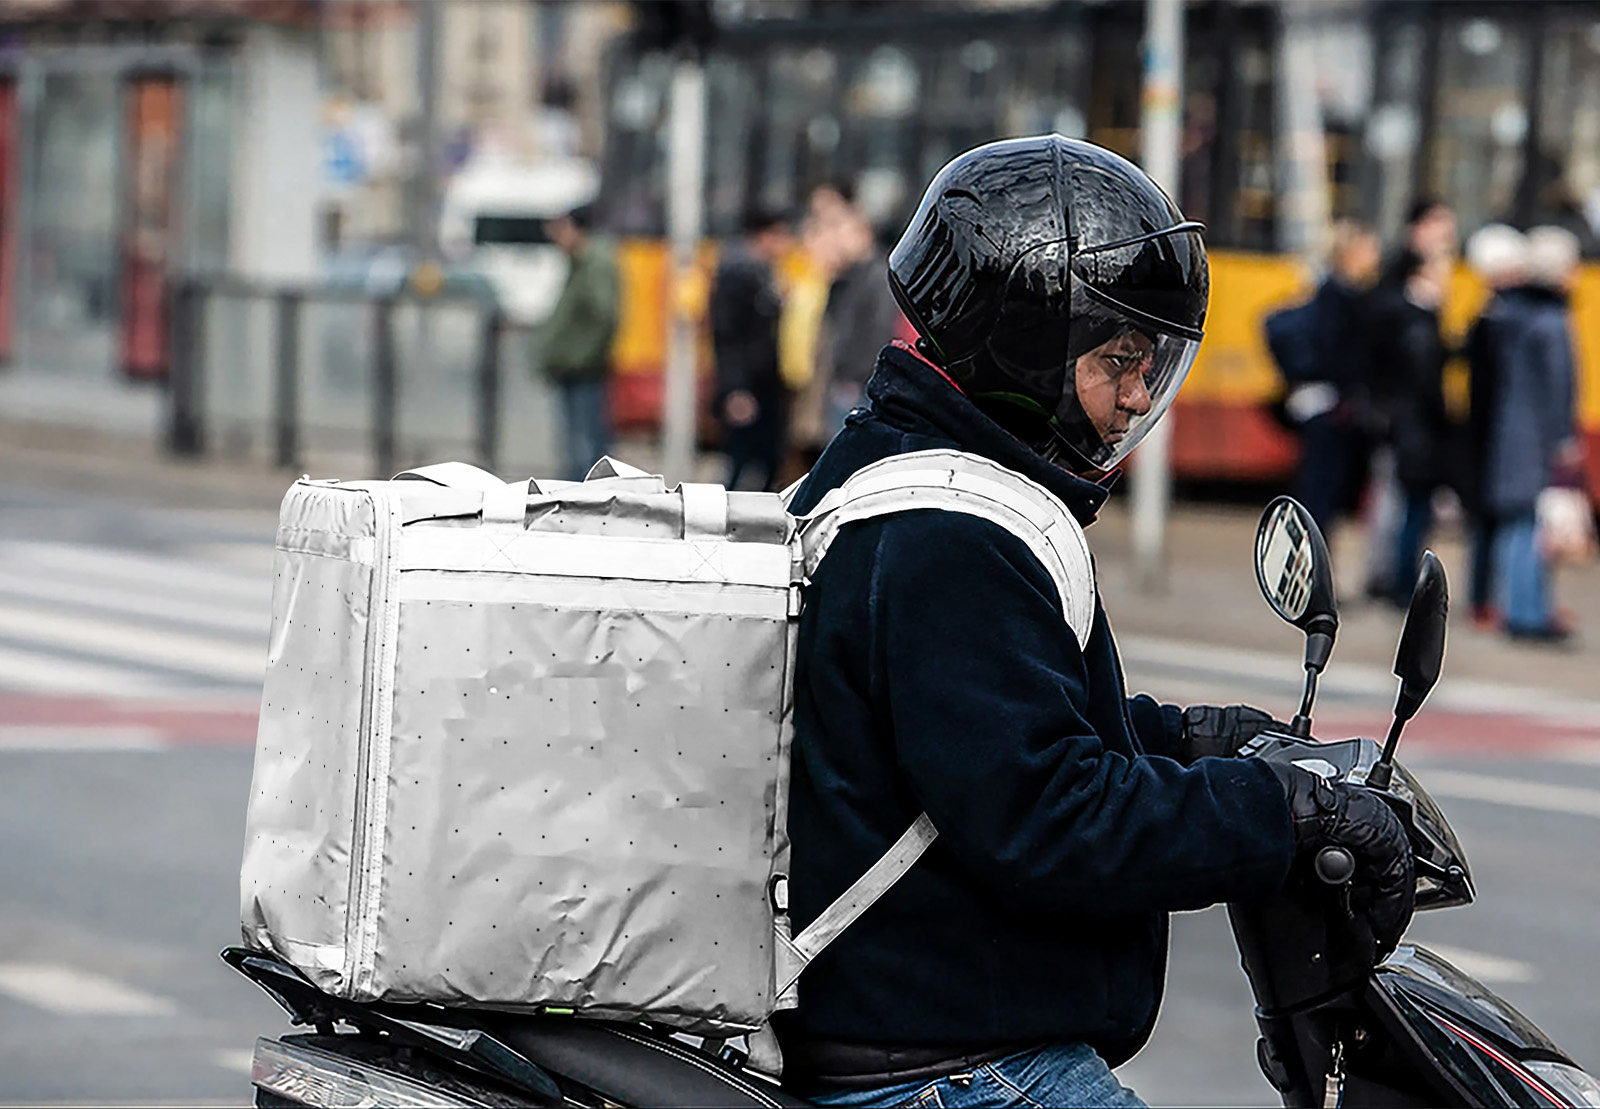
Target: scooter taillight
[{"x": 305, "y": 1076}]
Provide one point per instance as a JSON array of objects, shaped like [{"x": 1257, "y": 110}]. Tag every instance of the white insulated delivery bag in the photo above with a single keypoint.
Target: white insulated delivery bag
[{"x": 526, "y": 745}]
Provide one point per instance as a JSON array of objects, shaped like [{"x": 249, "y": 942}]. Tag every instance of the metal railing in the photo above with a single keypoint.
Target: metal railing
[{"x": 353, "y": 381}]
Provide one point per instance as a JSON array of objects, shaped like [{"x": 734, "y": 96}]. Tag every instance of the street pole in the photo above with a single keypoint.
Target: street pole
[
  {"x": 686, "y": 175},
  {"x": 1159, "y": 124},
  {"x": 425, "y": 185}
]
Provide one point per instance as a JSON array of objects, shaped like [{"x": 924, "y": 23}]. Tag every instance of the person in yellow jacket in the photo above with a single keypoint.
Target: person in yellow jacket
[{"x": 801, "y": 341}]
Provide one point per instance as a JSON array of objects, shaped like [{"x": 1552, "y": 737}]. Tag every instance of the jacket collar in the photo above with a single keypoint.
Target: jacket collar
[{"x": 911, "y": 395}]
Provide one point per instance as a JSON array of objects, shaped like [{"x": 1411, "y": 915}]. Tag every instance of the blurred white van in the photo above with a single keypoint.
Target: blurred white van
[{"x": 491, "y": 221}]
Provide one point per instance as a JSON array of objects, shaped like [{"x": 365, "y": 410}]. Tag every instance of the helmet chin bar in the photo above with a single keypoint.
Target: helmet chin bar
[{"x": 1062, "y": 455}]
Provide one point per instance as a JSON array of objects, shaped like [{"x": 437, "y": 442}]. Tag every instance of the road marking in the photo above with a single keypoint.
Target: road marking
[
  {"x": 1485, "y": 968},
  {"x": 72, "y": 737},
  {"x": 1365, "y": 685},
  {"x": 169, "y": 649},
  {"x": 1571, "y": 800},
  {"x": 241, "y": 1060},
  {"x": 144, "y": 571},
  {"x": 78, "y": 993},
  {"x": 39, "y": 673},
  {"x": 207, "y": 615},
  {"x": 1580, "y": 752}
]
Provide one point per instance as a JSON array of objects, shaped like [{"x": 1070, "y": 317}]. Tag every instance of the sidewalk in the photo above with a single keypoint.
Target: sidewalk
[
  {"x": 1211, "y": 599},
  {"x": 1211, "y": 605}
]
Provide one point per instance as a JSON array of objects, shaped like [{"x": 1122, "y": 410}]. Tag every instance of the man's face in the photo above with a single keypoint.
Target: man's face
[
  {"x": 1112, "y": 386},
  {"x": 1435, "y": 233},
  {"x": 563, "y": 231}
]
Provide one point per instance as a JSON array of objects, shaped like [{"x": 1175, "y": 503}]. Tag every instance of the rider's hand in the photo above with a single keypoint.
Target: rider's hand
[
  {"x": 1334, "y": 814},
  {"x": 1220, "y": 730}
]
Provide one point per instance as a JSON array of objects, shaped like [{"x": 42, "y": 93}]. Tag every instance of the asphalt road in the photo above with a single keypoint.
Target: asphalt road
[{"x": 130, "y": 641}]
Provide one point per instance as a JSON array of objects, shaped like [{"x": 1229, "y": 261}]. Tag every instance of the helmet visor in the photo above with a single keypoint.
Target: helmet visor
[
  {"x": 1118, "y": 388},
  {"x": 1101, "y": 369}
]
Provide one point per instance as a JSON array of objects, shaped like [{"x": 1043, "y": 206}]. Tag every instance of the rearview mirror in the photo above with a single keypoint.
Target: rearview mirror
[
  {"x": 1296, "y": 577},
  {"x": 1420, "y": 656},
  {"x": 1418, "y": 659},
  {"x": 1293, "y": 567}
]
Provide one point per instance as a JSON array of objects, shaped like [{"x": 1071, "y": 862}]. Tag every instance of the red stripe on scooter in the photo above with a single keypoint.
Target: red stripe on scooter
[{"x": 1511, "y": 1065}]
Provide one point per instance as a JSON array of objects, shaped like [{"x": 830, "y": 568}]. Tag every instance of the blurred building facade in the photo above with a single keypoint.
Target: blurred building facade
[{"x": 281, "y": 140}]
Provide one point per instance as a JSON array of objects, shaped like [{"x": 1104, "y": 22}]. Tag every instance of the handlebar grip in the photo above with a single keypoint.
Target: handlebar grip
[{"x": 1335, "y": 865}]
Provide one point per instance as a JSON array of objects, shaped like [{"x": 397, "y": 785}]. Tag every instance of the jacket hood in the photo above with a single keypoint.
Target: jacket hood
[{"x": 908, "y": 393}]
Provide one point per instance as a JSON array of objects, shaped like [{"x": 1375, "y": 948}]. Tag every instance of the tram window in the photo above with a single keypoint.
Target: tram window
[
  {"x": 733, "y": 99},
  {"x": 634, "y": 181},
  {"x": 1567, "y": 166},
  {"x": 1481, "y": 119},
  {"x": 1394, "y": 129}
]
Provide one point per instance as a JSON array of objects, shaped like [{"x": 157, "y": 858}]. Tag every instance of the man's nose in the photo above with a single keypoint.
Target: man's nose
[{"x": 1135, "y": 394}]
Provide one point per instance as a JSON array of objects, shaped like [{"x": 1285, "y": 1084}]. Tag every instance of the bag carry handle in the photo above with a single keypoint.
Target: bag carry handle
[
  {"x": 705, "y": 510},
  {"x": 504, "y": 502}
]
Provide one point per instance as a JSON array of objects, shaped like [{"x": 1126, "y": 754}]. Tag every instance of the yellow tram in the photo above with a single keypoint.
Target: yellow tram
[{"x": 1493, "y": 107}]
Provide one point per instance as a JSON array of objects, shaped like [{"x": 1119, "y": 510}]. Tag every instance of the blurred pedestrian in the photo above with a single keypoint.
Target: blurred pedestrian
[
  {"x": 1328, "y": 404},
  {"x": 801, "y": 344},
  {"x": 1430, "y": 231},
  {"x": 1498, "y": 254},
  {"x": 1533, "y": 441},
  {"x": 1412, "y": 351},
  {"x": 573, "y": 346},
  {"x": 750, "y": 397},
  {"x": 862, "y": 315}
]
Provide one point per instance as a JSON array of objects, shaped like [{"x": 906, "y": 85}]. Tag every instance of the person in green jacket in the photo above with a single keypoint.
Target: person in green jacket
[{"x": 573, "y": 347}]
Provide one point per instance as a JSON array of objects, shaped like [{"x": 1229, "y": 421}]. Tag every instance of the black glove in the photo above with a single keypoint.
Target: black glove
[
  {"x": 1219, "y": 731},
  {"x": 1332, "y": 814}
]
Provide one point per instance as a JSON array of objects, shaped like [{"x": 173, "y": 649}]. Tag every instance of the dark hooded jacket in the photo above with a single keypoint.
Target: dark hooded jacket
[{"x": 936, "y": 672}]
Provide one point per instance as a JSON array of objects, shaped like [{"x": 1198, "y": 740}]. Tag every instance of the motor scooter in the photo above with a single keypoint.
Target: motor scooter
[{"x": 1339, "y": 1024}]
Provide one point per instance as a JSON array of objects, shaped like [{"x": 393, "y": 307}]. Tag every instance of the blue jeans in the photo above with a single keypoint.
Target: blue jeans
[
  {"x": 584, "y": 430},
  {"x": 1061, "y": 1074},
  {"x": 1324, "y": 470},
  {"x": 1414, "y": 530},
  {"x": 1521, "y": 573}
]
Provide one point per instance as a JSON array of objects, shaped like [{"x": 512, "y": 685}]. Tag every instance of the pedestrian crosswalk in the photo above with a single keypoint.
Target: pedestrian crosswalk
[{"x": 109, "y": 622}]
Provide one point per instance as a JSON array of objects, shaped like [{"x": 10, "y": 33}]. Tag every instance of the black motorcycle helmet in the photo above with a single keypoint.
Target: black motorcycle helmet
[{"x": 1026, "y": 255}]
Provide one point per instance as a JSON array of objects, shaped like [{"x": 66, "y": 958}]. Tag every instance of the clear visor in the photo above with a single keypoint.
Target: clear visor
[
  {"x": 1118, "y": 389},
  {"x": 1101, "y": 369}
]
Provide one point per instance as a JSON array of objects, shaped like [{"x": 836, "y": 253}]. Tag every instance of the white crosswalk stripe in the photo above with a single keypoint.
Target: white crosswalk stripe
[
  {"x": 110, "y": 622},
  {"x": 74, "y": 992}
]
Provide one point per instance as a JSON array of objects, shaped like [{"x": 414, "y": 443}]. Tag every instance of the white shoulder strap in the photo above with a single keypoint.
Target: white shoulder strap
[
  {"x": 952, "y": 481},
  {"x": 955, "y": 481}
]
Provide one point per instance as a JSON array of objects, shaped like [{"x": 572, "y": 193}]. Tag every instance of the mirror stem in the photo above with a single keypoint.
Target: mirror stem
[
  {"x": 1300, "y": 726},
  {"x": 1383, "y": 769},
  {"x": 1319, "y": 646}
]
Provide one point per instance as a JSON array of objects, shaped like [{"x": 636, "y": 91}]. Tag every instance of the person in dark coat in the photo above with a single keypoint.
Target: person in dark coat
[
  {"x": 1332, "y": 433},
  {"x": 1409, "y": 351},
  {"x": 1023, "y": 954},
  {"x": 1532, "y": 434},
  {"x": 1498, "y": 254},
  {"x": 1430, "y": 232},
  {"x": 750, "y": 399},
  {"x": 861, "y": 315}
]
